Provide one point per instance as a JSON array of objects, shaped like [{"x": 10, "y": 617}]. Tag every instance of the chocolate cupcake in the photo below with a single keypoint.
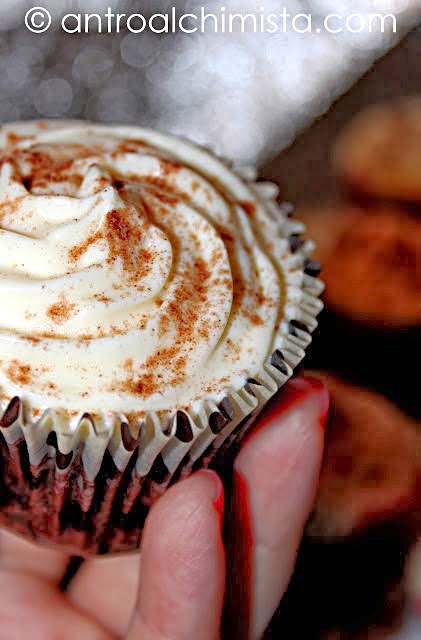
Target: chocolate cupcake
[
  {"x": 371, "y": 327},
  {"x": 365, "y": 519},
  {"x": 378, "y": 155},
  {"x": 371, "y": 469},
  {"x": 152, "y": 302}
]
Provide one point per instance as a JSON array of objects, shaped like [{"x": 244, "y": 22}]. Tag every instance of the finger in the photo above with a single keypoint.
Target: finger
[
  {"x": 35, "y": 609},
  {"x": 275, "y": 479},
  {"x": 183, "y": 564},
  {"x": 18, "y": 554},
  {"x": 106, "y": 589}
]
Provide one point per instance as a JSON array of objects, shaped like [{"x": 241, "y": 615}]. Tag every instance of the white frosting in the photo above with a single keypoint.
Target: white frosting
[{"x": 137, "y": 272}]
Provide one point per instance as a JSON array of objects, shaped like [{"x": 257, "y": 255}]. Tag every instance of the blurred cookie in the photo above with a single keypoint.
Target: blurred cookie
[
  {"x": 371, "y": 264},
  {"x": 379, "y": 152},
  {"x": 370, "y": 330},
  {"x": 349, "y": 574},
  {"x": 371, "y": 467}
]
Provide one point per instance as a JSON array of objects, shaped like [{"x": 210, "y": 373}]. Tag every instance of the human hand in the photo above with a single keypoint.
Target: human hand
[{"x": 178, "y": 589}]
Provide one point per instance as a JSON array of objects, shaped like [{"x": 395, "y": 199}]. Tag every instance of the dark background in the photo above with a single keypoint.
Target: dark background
[{"x": 303, "y": 171}]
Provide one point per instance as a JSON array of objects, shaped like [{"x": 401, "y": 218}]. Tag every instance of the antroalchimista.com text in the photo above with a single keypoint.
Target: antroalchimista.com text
[{"x": 39, "y": 20}]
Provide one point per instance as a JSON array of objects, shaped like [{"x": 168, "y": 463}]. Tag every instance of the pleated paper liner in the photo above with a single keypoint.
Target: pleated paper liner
[{"x": 89, "y": 487}]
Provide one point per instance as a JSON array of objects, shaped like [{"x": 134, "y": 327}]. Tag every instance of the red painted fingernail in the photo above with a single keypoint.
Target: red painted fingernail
[
  {"x": 320, "y": 388},
  {"x": 219, "y": 500},
  {"x": 294, "y": 392}
]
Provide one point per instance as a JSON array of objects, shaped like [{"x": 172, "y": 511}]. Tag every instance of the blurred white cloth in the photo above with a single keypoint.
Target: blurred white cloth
[
  {"x": 249, "y": 94},
  {"x": 246, "y": 95}
]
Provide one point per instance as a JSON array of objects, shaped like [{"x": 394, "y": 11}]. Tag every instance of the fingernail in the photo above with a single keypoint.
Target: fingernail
[
  {"x": 321, "y": 389},
  {"x": 219, "y": 499},
  {"x": 294, "y": 392},
  {"x": 298, "y": 389}
]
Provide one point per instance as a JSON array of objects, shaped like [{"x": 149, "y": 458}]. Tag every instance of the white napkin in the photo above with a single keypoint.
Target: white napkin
[{"x": 246, "y": 95}]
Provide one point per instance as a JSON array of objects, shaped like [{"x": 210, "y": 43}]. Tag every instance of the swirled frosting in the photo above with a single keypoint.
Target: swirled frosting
[{"x": 137, "y": 272}]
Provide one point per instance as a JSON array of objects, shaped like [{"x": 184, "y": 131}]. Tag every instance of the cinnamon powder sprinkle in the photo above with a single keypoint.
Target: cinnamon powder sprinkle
[
  {"x": 10, "y": 207},
  {"x": 77, "y": 252},
  {"x": 131, "y": 146},
  {"x": 13, "y": 138},
  {"x": 163, "y": 196},
  {"x": 18, "y": 373},
  {"x": 118, "y": 230},
  {"x": 184, "y": 310},
  {"x": 128, "y": 365},
  {"x": 102, "y": 298},
  {"x": 248, "y": 207},
  {"x": 45, "y": 169},
  {"x": 121, "y": 235},
  {"x": 119, "y": 225},
  {"x": 147, "y": 385},
  {"x": 158, "y": 188},
  {"x": 61, "y": 311},
  {"x": 149, "y": 381},
  {"x": 168, "y": 166},
  {"x": 256, "y": 320}
]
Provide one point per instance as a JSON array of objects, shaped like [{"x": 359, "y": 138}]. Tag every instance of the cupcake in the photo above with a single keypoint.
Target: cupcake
[
  {"x": 153, "y": 302},
  {"x": 372, "y": 464},
  {"x": 371, "y": 326},
  {"x": 365, "y": 519},
  {"x": 378, "y": 155}
]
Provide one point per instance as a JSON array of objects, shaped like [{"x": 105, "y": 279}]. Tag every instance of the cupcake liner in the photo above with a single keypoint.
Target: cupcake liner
[{"x": 89, "y": 488}]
